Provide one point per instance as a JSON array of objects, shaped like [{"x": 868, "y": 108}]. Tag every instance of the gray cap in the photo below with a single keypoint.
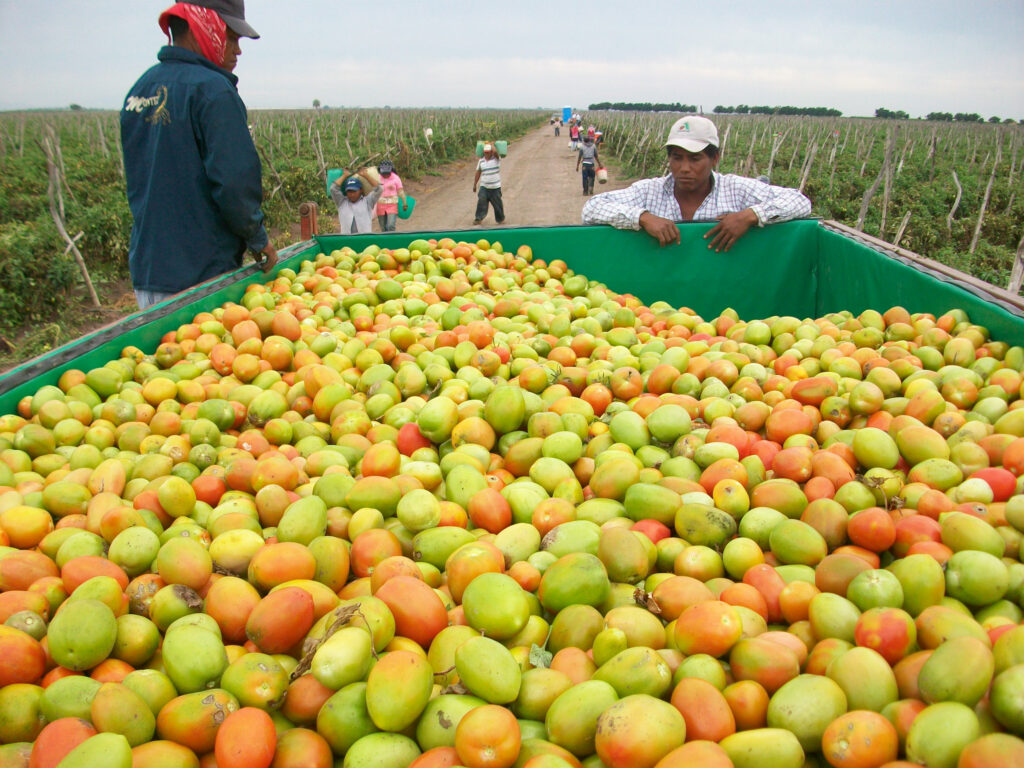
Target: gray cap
[{"x": 233, "y": 13}]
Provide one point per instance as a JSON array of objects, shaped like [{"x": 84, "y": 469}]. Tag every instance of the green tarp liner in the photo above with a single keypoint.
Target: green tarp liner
[{"x": 801, "y": 268}]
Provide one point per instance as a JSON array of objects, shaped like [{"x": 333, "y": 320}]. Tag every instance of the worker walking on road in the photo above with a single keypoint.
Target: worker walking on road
[
  {"x": 488, "y": 177},
  {"x": 392, "y": 191},
  {"x": 589, "y": 160}
]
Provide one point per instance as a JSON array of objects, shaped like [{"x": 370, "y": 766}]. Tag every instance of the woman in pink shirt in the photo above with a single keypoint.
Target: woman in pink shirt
[{"x": 391, "y": 191}]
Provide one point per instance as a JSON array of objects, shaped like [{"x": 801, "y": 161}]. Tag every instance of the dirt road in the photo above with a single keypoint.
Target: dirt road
[{"x": 539, "y": 182}]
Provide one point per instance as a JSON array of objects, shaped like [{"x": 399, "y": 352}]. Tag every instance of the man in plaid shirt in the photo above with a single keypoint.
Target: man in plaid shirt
[{"x": 694, "y": 191}]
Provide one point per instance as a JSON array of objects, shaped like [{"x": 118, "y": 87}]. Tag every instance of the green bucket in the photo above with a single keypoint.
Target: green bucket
[
  {"x": 405, "y": 211},
  {"x": 500, "y": 146},
  {"x": 333, "y": 174}
]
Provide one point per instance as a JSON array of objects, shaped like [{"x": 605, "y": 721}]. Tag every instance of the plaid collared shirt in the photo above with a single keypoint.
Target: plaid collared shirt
[{"x": 621, "y": 208}]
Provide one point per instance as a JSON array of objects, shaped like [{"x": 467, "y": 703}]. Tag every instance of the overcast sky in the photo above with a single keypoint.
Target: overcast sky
[{"x": 915, "y": 55}]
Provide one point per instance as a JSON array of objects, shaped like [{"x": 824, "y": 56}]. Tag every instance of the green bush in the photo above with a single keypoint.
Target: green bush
[{"x": 34, "y": 273}]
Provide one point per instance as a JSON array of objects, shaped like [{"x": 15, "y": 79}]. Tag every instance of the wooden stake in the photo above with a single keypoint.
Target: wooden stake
[
  {"x": 776, "y": 145},
  {"x": 62, "y": 177},
  {"x": 280, "y": 183},
  {"x": 749, "y": 162},
  {"x": 52, "y": 191},
  {"x": 956, "y": 202},
  {"x": 807, "y": 165},
  {"x": 725, "y": 140},
  {"x": 318, "y": 147},
  {"x": 903, "y": 155},
  {"x": 1013, "y": 163},
  {"x": 933, "y": 150},
  {"x": 902, "y": 229},
  {"x": 870, "y": 192},
  {"x": 1017, "y": 274},
  {"x": 890, "y": 146},
  {"x": 103, "y": 139},
  {"x": 988, "y": 196}
]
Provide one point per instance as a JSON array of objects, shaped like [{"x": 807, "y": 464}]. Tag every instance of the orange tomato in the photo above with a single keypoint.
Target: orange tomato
[
  {"x": 488, "y": 737},
  {"x": 860, "y": 739},
  {"x": 246, "y": 739}
]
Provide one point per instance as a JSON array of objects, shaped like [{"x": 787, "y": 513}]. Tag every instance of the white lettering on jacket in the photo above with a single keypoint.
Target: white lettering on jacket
[{"x": 139, "y": 104}]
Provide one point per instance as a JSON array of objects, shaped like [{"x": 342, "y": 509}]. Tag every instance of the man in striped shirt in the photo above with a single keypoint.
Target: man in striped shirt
[
  {"x": 694, "y": 191},
  {"x": 488, "y": 177}
]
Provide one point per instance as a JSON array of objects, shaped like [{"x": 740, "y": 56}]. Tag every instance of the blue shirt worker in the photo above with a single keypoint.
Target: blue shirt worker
[
  {"x": 194, "y": 178},
  {"x": 694, "y": 191}
]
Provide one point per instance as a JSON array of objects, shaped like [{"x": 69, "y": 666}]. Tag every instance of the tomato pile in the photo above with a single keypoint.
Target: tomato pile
[{"x": 445, "y": 505}]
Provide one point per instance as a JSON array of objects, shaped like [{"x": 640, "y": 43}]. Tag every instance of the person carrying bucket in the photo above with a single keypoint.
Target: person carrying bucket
[
  {"x": 355, "y": 208},
  {"x": 488, "y": 177},
  {"x": 589, "y": 160},
  {"x": 391, "y": 192}
]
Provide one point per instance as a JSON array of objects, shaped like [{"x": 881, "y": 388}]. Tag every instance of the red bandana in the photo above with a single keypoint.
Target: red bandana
[{"x": 207, "y": 28}]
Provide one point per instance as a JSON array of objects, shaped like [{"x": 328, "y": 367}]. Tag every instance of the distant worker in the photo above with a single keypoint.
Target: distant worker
[
  {"x": 558, "y": 127},
  {"x": 355, "y": 209},
  {"x": 488, "y": 176},
  {"x": 574, "y": 134},
  {"x": 589, "y": 160},
  {"x": 390, "y": 193},
  {"x": 694, "y": 191},
  {"x": 489, "y": 180},
  {"x": 194, "y": 178}
]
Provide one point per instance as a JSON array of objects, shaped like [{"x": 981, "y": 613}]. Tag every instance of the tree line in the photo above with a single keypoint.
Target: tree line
[
  {"x": 946, "y": 117},
  {"x": 643, "y": 106},
  {"x": 743, "y": 109}
]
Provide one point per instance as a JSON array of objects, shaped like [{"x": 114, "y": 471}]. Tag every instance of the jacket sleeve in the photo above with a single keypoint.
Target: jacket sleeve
[
  {"x": 233, "y": 167},
  {"x": 620, "y": 208}
]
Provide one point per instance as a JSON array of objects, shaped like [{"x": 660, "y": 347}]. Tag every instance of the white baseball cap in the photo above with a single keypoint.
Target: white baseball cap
[
  {"x": 487, "y": 147},
  {"x": 692, "y": 133}
]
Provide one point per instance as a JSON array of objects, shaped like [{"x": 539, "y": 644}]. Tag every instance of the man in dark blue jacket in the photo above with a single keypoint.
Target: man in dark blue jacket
[{"x": 194, "y": 177}]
